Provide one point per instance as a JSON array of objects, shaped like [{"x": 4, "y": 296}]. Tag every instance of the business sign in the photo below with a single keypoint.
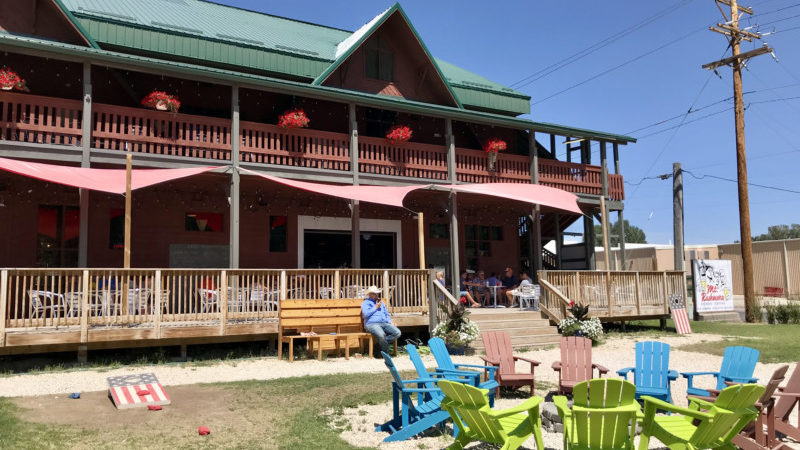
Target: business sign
[{"x": 713, "y": 285}]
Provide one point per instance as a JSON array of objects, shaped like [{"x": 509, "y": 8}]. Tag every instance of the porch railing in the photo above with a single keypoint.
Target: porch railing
[
  {"x": 615, "y": 295},
  {"x": 48, "y": 120},
  {"x": 49, "y": 299}
]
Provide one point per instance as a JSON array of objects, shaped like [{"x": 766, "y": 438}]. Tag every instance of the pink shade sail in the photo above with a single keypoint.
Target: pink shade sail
[
  {"x": 537, "y": 194},
  {"x": 105, "y": 180},
  {"x": 383, "y": 195}
]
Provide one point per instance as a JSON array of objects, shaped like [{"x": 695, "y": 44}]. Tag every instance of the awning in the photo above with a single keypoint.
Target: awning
[
  {"x": 105, "y": 180},
  {"x": 545, "y": 196},
  {"x": 383, "y": 195},
  {"x": 536, "y": 194}
]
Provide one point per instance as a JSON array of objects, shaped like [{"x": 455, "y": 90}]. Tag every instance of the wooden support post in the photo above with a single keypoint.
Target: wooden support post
[
  {"x": 85, "y": 307},
  {"x": 283, "y": 290},
  {"x": 559, "y": 241},
  {"x": 337, "y": 284},
  {"x": 455, "y": 275},
  {"x": 620, "y": 218},
  {"x": 355, "y": 213},
  {"x": 86, "y": 147},
  {"x": 450, "y": 141},
  {"x": 3, "y": 306},
  {"x": 234, "y": 191},
  {"x": 223, "y": 302},
  {"x": 537, "y": 242},
  {"x": 421, "y": 233},
  {"x": 157, "y": 304},
  {"x": 126, "y": 261},
  {"x": 553, "y": 146},
  {"x": 355, "y": 216},
  {"x": 677, "y": 216},
  {"x": 608, "y": 294},
  {"x": 83, "y": 354},
  {"x": 666, "y": 297},
  {"x": 638, "y": 296},
  {"x": 433, "y": 303},
  {"x": 184, "y": 353},
  {"x": 604, "y": 224}
]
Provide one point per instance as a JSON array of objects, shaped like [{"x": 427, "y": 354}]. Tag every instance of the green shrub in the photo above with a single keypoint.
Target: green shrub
[
  {"x": 781, "y": 314},
  {"x": 793, "y": 311},
  {"x": 772, "y": 314}
]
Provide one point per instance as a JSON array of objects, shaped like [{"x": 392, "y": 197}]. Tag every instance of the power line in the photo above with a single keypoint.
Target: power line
[
  {"x": 774, "y": 188},
  {"x": 600, "y": 74},
  {"x": 588, "y": 50}
]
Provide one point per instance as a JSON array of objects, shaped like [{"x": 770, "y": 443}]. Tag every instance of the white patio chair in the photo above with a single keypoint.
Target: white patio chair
[
  {"x": 528, "y": 293},
  {"x": 209, "y": 299},
  {"x": 42, "y": 302}
]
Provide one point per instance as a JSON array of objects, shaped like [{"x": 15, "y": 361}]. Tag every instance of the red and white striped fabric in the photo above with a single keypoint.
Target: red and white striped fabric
[{"x": 125, "y": 397}]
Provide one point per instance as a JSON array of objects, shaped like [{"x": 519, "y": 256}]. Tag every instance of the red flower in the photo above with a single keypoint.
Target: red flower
[
  {"x": 153, "y": 99},
  {"x": 571, "y": 303},
  {"x": 495, "y": 145},
  {"x": 400, "y": 133},
  {"x": 295, "y": 118},
  {"x": 10, "y": 79}
]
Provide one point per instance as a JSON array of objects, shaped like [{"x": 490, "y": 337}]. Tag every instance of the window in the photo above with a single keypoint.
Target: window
[
  {"x": 277, "y": 233},
  {"x": 379, "y": 60},
  {"x": 199, "y": 221},
  {"x": 57, "y": 231},
  {"x": 116, "y": 228},
  {"x": 478, "y": 241},
  {"x": 439, "y": 231}
]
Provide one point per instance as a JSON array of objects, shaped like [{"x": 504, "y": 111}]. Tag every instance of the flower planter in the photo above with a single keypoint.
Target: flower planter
[
  {"x": 7, "y": 87},
  {"x": 455, "y": 350},
  {"x": 161, "y": 106}
]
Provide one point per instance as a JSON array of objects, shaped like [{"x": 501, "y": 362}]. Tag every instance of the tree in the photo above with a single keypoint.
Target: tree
[
  {"x": 633, "y": 234},
  {"x": 778, "y": 232}
]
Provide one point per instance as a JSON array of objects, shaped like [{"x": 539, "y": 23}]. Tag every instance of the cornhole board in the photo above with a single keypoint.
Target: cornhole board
[
  {"x": 677, "y": 306},
  {"x": 122, "y": 391}
]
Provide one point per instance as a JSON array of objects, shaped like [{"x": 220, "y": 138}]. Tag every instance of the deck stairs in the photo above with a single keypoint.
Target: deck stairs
[{"x": 528, "y": 329}]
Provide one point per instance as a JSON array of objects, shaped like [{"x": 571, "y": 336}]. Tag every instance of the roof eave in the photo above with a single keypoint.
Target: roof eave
[{"x": 75, "y": 23}]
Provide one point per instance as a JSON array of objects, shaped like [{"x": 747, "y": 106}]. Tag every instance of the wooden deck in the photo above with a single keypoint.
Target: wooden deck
[
  {"x": 47, "y": 120},
  {"x": 611, "y": 295}
]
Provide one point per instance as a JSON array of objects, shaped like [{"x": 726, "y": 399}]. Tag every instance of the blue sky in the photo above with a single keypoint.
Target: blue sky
[{"x": 507, "y": 41}]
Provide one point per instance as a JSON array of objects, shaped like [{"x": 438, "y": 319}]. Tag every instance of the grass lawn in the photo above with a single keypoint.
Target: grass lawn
[
  {"x": 277, "y": 414},
  {"x": 777, "y": 343}
]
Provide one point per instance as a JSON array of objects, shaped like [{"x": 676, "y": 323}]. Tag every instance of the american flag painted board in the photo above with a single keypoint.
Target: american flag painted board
[
  {"x": 136, "y": 391},
  {"x": 679, "y": 315}
]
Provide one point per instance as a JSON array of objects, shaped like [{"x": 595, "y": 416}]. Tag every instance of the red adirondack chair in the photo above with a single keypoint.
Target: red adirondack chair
[
  {"x": 576, "y": 363},
  {"x": 499, "y": 353}
]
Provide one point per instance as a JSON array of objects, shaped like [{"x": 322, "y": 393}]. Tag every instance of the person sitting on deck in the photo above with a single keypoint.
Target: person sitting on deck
[
  {"x": 480, "y": 291},
  {"x": 525, "y": 281},
  {"x": 463, "y": 293},
  {"x": 509, "y": 281},
  {"x": 377, "y": 320}
]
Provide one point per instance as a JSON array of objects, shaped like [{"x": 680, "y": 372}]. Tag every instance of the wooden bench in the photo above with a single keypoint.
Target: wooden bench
[
  {"x": 773, "y": 291},
  {"x": 334, "y": 321}
]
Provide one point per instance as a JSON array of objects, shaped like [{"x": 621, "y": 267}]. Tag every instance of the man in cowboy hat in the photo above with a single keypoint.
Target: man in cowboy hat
[{"x": 377, "y": 320}]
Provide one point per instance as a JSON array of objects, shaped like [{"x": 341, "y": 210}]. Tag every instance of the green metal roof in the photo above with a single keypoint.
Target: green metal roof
[
  {"x": 231, "y": 37},
  {"x": 15, "y": 43}
]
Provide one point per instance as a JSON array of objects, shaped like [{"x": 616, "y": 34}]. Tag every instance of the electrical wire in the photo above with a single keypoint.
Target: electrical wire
[{"x": 775, "y": 188}]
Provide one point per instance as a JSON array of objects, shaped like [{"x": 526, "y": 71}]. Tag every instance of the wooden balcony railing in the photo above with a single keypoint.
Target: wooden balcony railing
[
  {"x": 37, "y": 119},
  {"x": 408, "y": 159}
]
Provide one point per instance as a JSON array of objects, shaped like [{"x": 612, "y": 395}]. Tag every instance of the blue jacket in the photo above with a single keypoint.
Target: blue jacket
[{"x": 372, "y": 315}]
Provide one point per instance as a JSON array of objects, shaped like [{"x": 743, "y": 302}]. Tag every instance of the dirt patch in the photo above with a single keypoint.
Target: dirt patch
[{"x": 192, "y": 406}]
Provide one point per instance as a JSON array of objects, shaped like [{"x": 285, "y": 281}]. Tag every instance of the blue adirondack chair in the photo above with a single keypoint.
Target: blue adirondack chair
[
  {"x": 738, "y": 365},
  {"x": 652, "y": 375},
  {"x": 409, "y": 419},
  {"x": 459, "y": 376},
  {"x": 445, "y": 363}
]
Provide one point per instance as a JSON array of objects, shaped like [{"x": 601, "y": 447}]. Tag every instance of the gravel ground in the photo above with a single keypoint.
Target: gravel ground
[{"x": 616, "y": 353}]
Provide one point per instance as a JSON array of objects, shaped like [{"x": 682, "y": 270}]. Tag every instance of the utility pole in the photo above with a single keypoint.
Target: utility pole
[
  {"x": 677, "y": 214},
  {"x": 735, "y": 36}
]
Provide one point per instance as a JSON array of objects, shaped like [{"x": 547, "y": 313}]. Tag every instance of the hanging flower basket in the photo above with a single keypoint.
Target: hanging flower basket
[
  {"x": 400, "y": 133},
  {"x": 161, "y": 101},
  {"x": 10, "y": 80},
  {"x": 295, "y": 118},
  {"x": 492, "y": 147}
]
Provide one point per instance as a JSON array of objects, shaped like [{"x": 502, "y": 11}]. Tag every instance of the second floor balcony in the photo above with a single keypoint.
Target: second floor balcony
[{"x": 57, "y": 121}]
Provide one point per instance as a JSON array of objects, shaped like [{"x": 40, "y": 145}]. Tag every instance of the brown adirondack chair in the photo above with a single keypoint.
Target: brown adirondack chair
[
  {"x": 576, "y": 363},
  {"x": 754, "y": 437},
  {"x": 788, "y": 399},
  {"x": 499, "y": 353}
]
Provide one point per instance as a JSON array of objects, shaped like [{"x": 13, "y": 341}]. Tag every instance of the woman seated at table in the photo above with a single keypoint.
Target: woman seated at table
[{"x": 463, "y": 292}]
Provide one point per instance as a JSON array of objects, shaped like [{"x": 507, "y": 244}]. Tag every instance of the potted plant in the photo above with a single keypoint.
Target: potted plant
[
  {"x": 492, "y": 147},
  {"x": 10, "y": 80},
  {"x": 457, "y": 331},
  {"x": 579, "y": 324},
  {"x": 295, "y": 118},
  {"x": 161, "y": 101},
  {"x": 400, "y": 133}
]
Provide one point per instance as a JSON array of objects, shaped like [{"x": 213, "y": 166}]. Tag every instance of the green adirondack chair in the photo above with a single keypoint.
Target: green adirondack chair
[
  {"x": 603, "y": 416},
  {"x": 469, "y": 408},
  {"x": 703, "y": 424}
]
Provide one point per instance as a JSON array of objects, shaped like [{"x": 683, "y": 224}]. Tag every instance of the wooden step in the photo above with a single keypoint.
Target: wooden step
[
  {"x": 502, "y": 314},
  {"x": 503, "y": 324},
  {"x": 524, "y": 331}
]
